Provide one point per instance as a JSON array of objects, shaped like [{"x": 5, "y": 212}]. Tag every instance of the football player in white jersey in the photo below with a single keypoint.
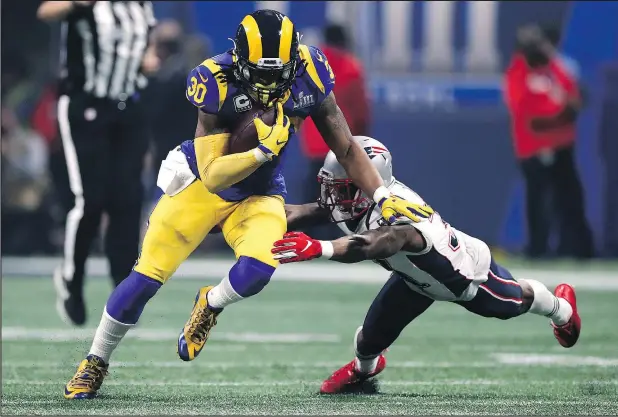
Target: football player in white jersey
[{"x": 430, "y": 261}]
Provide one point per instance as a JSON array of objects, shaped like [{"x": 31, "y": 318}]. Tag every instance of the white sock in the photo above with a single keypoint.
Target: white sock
[
  {"x": 546, "y": 304},
  {"x": 223, "y": 294},
  {"x": 365, "y": 365},
  {"x": 108, "y": 335}
]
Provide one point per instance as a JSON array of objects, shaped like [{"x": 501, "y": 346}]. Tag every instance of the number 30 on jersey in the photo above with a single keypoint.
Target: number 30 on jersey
[{"x": 197, "y": 91}]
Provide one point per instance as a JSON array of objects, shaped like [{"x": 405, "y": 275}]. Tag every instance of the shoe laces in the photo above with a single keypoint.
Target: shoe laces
[
  {"x": 91, "y": 376},
  {"x": 202, "y": 321}
]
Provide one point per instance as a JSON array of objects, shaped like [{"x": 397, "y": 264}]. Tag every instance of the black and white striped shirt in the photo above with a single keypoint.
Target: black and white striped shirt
[{"x": 102, "y": 48}]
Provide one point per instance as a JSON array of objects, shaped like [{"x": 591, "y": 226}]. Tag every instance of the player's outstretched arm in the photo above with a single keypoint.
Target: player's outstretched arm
[
  {"x": 333, "y": 127},
  {"x": 381, "y": 243},
  {"x": 300, "y": 216},
  {"x": 219, "y": 171}
]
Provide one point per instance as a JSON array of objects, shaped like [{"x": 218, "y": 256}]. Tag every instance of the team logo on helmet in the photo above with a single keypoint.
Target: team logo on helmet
[{"x": 373, "y": 151}]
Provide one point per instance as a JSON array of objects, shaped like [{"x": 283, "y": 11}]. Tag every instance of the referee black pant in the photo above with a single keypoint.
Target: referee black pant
[
  {"x": 554, "y": 197},
  {"x": 104, "y": 145}
]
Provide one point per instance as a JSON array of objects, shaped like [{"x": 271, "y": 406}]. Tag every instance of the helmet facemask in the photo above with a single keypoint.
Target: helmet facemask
[
  {"x": 344, "y": 200},
  {"x": 339, "y": 195},
  {"x": 266, "y": 81}
]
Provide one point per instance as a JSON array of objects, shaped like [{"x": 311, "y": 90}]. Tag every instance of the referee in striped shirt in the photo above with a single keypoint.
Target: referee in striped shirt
[{"x": 105, "y": 54}]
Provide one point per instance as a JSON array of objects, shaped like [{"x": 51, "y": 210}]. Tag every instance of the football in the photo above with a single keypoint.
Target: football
[{"x": 244, "y": 136}]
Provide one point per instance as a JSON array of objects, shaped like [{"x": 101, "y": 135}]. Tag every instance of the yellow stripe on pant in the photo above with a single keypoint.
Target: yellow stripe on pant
[{"x": 178, "y": 224}]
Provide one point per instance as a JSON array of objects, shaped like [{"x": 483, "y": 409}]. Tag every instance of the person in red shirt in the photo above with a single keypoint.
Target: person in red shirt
[
  {"x": 352, "y": 98},
  {"x": 350, "y": 90},
  {"x": 544, "y": 100}
]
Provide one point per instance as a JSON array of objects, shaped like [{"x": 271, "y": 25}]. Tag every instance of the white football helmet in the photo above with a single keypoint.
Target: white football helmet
[{"x": 337, "y": 191}]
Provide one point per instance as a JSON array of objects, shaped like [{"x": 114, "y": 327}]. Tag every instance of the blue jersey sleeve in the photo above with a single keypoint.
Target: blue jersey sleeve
[
  {"x": 203, "y": 90},
  {"x": 318, "y": 69}
]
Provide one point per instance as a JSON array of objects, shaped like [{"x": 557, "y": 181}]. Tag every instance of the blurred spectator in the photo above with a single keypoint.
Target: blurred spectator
[
  {"x": 44, "y": 117},
  {"x": 18, "y": 89},
  {"x": 544, "y": 101},
  {"x": 172, "y": 116},
  {"x": 104, "y": 133},
  {"x": 351, "y": 94},
  {"x": 198, "y": 48},
  {"x": 26, "y": 223},
  {"x": 350, "y": 91}
]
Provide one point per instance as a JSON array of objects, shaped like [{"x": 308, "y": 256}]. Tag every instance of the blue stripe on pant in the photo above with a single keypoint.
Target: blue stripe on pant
[{"x": 500, "y": 296}]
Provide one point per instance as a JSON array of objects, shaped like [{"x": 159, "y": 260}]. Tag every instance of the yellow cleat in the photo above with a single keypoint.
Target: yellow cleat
[
  {"x": 87, "y": 380},
  {"x": 196, "y": 331}
]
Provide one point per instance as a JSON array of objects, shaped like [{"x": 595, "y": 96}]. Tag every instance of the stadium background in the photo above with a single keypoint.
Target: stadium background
[
  {"x": 434, "y": 75},
  {"x": 440, "y": 111}
]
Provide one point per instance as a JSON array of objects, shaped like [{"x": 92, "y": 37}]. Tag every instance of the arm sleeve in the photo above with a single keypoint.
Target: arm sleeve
[{"x": 219, "y": 171}]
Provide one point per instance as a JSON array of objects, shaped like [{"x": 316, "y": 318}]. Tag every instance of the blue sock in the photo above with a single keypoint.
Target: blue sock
[
  {"x": 249, "y": 276},
  {"x": 127, "y": 301}
]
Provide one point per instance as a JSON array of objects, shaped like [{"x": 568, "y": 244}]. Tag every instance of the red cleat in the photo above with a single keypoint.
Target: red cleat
[
  {"x": 348, "y": 375},
  {"x": 568, "y": 333}
]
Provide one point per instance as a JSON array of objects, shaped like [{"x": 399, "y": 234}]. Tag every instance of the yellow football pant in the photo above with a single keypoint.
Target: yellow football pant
[{"x": 178, "y": 224}]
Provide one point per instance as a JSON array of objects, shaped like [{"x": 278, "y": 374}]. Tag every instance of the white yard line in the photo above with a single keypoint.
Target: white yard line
[
  {"x": 500, "y": 360},
  {"x": 67, "y": 335},
  {"x": 366, "y": 272},
  {"x": 531, "y": 359}
]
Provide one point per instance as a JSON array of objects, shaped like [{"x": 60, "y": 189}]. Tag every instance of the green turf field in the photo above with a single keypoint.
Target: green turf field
[{"x": 268, "y": 355}]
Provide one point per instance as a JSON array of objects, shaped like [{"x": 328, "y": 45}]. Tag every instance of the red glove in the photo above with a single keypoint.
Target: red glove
[{"x": 297, "y": 247}]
